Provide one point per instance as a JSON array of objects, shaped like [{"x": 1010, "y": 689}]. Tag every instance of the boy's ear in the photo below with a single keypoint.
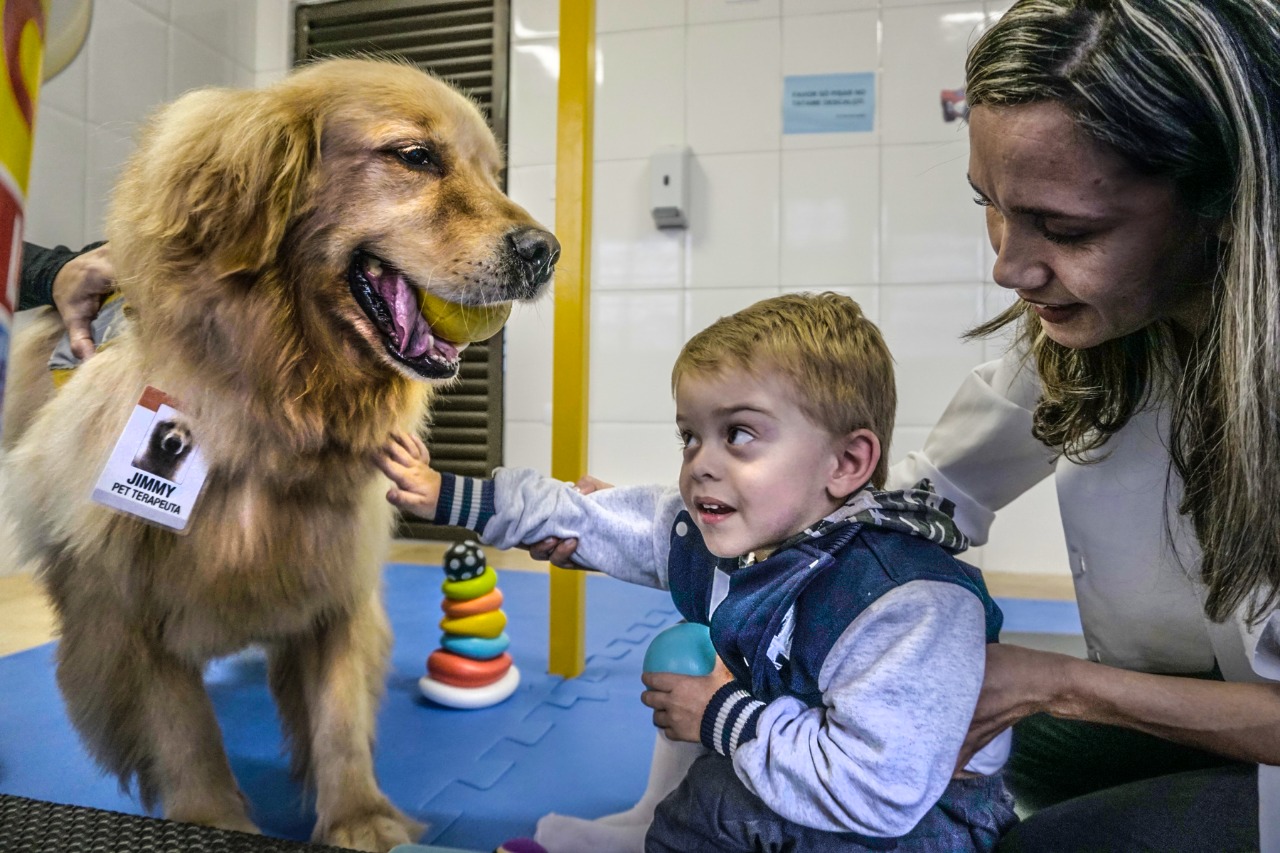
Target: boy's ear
[{"x": 857, "y": 455}]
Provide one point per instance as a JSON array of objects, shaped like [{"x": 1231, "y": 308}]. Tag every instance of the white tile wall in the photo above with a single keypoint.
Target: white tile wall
[
  {"x": 884, "y": 216},
  {"x": 640, "y": 73},
  {"x": 138, "y": 55},
  {"x": 734, "y": 86},
  {"x": 830, "y": 217},
  {"x": 733, "y": 229}
]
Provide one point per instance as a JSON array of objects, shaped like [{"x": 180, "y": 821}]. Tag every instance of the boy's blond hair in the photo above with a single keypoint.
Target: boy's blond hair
[{"x": 823, "y": 345}]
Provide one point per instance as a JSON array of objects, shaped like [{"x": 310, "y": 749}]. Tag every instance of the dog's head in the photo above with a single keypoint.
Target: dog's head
[
  {"x": 171, "y": 439},
  {"x": 350, "y": 201}
]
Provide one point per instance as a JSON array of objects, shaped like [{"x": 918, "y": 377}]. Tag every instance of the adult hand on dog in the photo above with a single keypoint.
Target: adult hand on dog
[
  {"x": 560, "y": 551},
  {"x": 407, "y": 462},
  {"x": 679, "y": 701},
  {"x": 78, "y": 291}
]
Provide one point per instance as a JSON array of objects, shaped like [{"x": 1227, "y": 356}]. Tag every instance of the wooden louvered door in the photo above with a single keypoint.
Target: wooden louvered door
[{"x": 464, "y": 42}]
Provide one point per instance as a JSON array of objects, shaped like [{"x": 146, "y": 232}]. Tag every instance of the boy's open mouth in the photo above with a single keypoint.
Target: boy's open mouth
[{"x": 712, "y": 512}]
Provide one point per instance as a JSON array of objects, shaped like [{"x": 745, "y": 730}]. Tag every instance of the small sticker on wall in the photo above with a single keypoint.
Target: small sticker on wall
[
  {"x": 829, "y": 103},
  {"x": 954, "y": 105}
]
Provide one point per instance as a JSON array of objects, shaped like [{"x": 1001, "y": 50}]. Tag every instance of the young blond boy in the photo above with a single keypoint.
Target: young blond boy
[{"x": 852, "y": 642}]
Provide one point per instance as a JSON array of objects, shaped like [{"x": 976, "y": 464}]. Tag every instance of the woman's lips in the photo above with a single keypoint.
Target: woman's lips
[{"x": 1056, "y": 313}]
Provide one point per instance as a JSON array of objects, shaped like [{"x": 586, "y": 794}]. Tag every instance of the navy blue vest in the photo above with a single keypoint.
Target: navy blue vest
[{"x": 829, "y": 580}]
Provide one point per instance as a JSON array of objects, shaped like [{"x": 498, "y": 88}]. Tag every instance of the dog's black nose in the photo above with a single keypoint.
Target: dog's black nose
[{"x": 538, "y": 250}]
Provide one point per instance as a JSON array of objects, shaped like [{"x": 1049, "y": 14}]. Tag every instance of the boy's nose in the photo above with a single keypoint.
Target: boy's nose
[{"x": 702, "y": 466}]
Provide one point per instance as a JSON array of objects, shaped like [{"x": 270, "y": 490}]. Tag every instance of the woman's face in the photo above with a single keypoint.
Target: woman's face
[{"x": 1097, "y": 249}]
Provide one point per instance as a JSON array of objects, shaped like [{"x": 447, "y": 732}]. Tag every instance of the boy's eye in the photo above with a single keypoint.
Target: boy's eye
[
  {"x": 738, "y": 435},
  {"x": 686, "y": 439}
]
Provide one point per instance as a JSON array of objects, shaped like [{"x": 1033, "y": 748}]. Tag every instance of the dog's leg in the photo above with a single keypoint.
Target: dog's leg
[
  {"x": 145, "y": 715},
  {"x": 329, "y": 689}
]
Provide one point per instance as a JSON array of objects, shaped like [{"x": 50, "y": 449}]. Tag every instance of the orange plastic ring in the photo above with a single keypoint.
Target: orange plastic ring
[
  {"x": 491, "y": 600},
  {"x": 448, "y": 668}
]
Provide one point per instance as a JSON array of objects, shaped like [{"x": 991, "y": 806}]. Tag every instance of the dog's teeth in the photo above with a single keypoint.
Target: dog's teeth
[{"x": 373, "y": 266}]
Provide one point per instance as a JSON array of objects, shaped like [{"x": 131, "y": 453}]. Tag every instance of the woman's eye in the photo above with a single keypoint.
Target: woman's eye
[
  {"x": 981, "y": 201},
  {"x": 738, "y": 435},
  {"x": 1067, "y": 239}
]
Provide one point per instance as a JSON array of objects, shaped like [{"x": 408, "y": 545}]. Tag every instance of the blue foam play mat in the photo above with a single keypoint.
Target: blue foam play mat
[
  {"x": 478, "y": 778},
  {"x": 578, "y": 746}
]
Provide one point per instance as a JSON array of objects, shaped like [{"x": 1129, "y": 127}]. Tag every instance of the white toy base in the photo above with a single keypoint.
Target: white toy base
[{"x": 468, "y": 698}]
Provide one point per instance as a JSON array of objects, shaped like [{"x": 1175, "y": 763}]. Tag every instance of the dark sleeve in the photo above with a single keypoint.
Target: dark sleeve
[{"x": 40, "y": 267}]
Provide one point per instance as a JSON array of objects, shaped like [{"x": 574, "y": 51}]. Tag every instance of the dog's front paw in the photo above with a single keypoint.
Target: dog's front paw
[{"x": 377, "y": 829}]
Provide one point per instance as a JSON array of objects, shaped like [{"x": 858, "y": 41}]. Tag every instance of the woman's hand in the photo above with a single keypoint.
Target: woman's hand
[
  {"x": 78, "y": 291},
  {"x": 1018, "y": 682},
  {"x": 679, "y": 701},
  {"x": 560, "y": 551}
]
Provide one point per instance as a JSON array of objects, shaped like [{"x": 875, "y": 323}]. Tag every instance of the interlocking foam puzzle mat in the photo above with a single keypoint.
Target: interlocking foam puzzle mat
[{"x": 579, "y": 746}]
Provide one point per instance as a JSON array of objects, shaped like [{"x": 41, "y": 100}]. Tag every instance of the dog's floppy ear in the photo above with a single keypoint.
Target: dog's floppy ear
[{"x": 220, "y": 173}]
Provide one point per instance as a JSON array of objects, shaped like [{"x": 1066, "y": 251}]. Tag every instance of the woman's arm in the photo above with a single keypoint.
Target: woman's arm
[
  {"x": 1234, "y": 719},
  {"x": 981, "y": 454}
]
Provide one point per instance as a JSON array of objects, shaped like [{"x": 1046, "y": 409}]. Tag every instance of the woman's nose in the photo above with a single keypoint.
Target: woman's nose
[{"x": 1018, "y": 265}]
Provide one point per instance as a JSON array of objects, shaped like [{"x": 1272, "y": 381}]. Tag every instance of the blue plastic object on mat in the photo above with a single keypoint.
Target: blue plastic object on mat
[{"x": 684, "y": 649}]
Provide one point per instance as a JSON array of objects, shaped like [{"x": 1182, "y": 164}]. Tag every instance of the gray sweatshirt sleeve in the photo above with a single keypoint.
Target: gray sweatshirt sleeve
[
  {"x": 899, "y": 690},
  {"x": 624, "y": 532}
]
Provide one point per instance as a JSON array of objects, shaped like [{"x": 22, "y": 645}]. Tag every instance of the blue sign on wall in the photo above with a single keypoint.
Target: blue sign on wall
[{"x": 829, "y": 103}]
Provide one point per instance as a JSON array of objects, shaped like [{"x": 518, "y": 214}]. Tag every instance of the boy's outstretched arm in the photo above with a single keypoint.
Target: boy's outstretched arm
[{"x": 407, "y": 462}]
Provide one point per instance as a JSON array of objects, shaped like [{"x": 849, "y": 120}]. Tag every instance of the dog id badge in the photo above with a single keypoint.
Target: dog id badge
[{"x": 156, "y": 471}]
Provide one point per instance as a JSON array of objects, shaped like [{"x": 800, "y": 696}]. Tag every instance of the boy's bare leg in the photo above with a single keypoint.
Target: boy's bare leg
[{"x": 622, "y": 832}]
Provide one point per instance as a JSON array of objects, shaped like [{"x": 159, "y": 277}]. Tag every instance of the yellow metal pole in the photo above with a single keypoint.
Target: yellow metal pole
[{"x": 567, "y": 652}]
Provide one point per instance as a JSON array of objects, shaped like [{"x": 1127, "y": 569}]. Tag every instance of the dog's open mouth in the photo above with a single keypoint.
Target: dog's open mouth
[{"x": 391, "y": 301}]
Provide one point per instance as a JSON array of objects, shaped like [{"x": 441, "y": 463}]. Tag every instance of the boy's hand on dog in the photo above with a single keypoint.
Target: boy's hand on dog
[
  {"x": 407, "y": 462},
  {"x": 78, "y": 291},
  {"x": 679, "y": 701}
]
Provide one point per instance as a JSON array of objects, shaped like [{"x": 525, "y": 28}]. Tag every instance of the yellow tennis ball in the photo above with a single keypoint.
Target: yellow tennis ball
[{"x": 462, "y": 324}]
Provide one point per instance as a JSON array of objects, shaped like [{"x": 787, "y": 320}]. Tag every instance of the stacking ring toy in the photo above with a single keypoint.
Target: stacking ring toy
[{"x": 472, "y": 668}]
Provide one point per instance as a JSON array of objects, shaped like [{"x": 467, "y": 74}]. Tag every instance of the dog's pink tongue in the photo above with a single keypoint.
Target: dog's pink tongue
[{"x": 413, "y": 335}]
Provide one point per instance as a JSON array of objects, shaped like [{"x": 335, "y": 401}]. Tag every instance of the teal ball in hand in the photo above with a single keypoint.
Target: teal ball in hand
[{"x": 685, "y": 649}]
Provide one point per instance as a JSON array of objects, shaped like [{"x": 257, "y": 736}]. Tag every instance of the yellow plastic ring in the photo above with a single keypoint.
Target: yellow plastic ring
[{"x": 487, "y": 625}]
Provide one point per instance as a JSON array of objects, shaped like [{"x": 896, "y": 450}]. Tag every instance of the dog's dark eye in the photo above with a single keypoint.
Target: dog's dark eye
[{"x": 418, "y": 156}]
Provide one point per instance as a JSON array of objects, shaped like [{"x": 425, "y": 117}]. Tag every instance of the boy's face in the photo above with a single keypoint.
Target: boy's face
[{"x": 756, "y": 470}]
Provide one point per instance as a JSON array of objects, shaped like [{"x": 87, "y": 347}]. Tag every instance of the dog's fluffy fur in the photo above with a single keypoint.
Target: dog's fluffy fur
[{"x": 241, "y": 232}]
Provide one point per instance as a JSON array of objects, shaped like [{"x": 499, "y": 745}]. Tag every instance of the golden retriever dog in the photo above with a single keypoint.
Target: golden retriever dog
[{"x": 272, "y": 248}]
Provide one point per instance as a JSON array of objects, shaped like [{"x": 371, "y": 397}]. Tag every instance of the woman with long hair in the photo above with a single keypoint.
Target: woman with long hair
[{"x": 1126, "y": 155}]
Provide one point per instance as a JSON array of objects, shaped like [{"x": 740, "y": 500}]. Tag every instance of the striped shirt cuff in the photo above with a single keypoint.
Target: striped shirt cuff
[
  {"x": 730, "y": 719},
  {"x": 464, "y": 502}
]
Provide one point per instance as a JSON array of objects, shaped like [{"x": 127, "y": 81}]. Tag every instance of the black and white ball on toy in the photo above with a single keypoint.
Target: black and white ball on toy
[{"x": 464, "y": 561}]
